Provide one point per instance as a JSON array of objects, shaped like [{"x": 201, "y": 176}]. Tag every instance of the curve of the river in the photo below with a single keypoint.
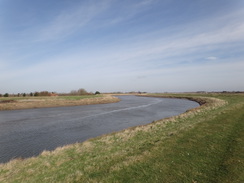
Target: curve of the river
[{"x": 26, "y": 133}]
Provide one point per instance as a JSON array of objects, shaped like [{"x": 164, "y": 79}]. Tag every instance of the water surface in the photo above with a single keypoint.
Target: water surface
[{"x": 26, "y": 133}]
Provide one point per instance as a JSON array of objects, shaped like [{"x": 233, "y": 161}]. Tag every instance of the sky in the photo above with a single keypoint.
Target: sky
[{"x": 114, "y": 45}]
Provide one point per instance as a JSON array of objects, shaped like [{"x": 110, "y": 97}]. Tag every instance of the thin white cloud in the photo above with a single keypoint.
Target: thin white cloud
[
  {"x": 145, "y": 3},
  {"x": 126, "y": 12},
  {"x": 137, "y": 54},
  {"x": 71, "y": 20},
  {"x": 164, "y": 47},
  {"x": 212, "y": 58}
]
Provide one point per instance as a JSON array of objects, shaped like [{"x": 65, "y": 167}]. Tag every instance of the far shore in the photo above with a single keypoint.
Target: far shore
[{"x": 15, "y": 103}]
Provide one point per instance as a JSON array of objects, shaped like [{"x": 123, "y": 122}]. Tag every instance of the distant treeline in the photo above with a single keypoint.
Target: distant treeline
[
  {"x": 47, "y": 93},
  {"x": 80, "y": 91},
  {"x": 31, "y": 94}
]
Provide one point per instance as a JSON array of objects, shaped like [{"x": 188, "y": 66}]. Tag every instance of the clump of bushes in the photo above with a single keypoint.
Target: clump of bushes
[{"x": 81, "y": 91}]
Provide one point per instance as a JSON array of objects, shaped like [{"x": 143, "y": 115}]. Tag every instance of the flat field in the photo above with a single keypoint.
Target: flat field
[{"x": 204, "y": 144}]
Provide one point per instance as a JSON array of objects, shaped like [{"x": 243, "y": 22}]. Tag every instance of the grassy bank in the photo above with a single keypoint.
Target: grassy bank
[
  {"x": 202, "y": 145},
  {"x": 46, "y": 98},
  {"x": 13, "y": 103}
]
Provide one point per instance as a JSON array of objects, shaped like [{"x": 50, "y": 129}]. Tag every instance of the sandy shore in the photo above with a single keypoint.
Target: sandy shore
[{"x": 30, "y": 103}]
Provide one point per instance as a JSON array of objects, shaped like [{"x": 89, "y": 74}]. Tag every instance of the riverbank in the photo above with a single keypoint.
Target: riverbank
[
  {"x": 14, "y": 103},
  {"x": 204, "y": 144}
]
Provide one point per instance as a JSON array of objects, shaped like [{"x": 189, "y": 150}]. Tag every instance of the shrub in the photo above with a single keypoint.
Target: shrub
[
  {"x": 36, "y": 94},
  {"x": 81, "y": 91}
]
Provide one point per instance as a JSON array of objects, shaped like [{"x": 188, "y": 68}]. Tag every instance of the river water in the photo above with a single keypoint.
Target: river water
[{"x": 26, "y": 133}]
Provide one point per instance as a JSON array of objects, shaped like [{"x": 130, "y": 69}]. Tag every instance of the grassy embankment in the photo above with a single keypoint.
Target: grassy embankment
[{"x": 201, "y": 145}]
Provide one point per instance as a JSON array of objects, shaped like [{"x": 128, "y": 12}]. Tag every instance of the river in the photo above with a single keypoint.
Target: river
[{"x": 26, "y": 133}]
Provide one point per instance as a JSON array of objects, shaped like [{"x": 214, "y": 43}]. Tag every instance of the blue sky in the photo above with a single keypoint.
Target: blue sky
[{"x": 113, "y": 45}]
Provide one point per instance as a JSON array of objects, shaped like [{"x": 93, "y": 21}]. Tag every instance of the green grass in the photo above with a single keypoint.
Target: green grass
[
  {"x": 202, "y": 145},
  {"x": 78, "y": 97}
]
